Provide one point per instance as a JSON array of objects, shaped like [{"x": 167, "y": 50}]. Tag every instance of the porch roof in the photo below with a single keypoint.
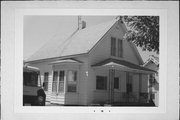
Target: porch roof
[
  {"x": 66, "y": 61},
  {"x": 122, "y": 64}
]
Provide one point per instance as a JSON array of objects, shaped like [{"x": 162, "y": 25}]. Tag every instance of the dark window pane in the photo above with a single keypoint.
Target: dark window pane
[
  {"x": 30, "y": 78},
  {"x": 120, "y": 48},
  {"x": 101, "y": 82},
  {"x": 129, "y": 88},
  {"x": 116, "y": 82},
  {"x": 46, "y": 76},
  {"x": 113, "y": 46}
]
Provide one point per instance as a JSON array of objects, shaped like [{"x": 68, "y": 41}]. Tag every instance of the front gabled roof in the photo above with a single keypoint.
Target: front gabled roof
[
  {"x": 153, "y": 59},
  {"x": 79, "y": 42}
]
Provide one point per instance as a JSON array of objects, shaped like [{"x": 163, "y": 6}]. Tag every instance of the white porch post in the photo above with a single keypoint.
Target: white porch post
[
  {"x": 111, "y": 85},
  {"x": 65, "y": 81}
]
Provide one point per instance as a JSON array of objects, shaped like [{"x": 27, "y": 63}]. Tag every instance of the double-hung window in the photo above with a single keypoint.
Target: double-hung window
[
  {"x": 116, "y": 83},
  {"x": 72, "y": 81},
  {"x": 101, "y": 82},
  {"x": 116, "y": 47}
]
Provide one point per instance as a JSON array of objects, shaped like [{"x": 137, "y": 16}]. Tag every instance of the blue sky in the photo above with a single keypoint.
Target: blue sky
[{"x": 40, "y": 29}]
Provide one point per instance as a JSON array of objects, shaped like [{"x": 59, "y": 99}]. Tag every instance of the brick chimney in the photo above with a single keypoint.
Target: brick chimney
[{"x": 81, "y": 23}]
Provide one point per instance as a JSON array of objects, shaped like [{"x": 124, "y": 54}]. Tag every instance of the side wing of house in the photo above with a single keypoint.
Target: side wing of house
[{"x": 108, "y": 47}]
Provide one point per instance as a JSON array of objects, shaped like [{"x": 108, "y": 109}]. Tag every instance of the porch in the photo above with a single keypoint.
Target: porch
[{"x": 120, "y": 83}]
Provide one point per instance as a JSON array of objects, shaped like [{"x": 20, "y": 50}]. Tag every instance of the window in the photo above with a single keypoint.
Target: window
[
  {"x": 152, "y": 79},
  {"x": 120, "y": 48},
  {"x": 116, "y": 83},
  {"x": 101, "y": 82},
  {"x": 61, "y": 81},
  {"x": 116, "y": 47},
  {"x": 113, "y": 46},
  {"x": 46, "y": 75},
  {"x": 54, "y": 84},
  {"x": 72, "y": 81},
  {"x": 30, "y": 78}
]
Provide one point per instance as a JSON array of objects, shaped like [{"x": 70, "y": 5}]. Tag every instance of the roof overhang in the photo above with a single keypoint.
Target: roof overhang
[{"x": 122, "y": 65}]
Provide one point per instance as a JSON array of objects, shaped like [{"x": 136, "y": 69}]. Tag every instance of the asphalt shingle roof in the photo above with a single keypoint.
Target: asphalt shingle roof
[{"x": 81, "y": 41}]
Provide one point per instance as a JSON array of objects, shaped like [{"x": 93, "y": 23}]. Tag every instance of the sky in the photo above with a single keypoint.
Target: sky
[{"x": 38, "y": 30}]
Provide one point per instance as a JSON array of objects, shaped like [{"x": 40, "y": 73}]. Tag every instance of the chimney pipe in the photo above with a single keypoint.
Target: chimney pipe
[{"x": 81, "y": 23}]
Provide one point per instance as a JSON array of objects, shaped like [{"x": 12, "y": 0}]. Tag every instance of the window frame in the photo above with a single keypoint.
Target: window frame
[
  {"x": 61, "y": 81},
  {"x": 117, "y": 83},
  {"x": 104, "y": 82},
  {"x": 72, "y": 83},
  {"x": 120, "y": 48},
  {"x": 116, "y": 45}
]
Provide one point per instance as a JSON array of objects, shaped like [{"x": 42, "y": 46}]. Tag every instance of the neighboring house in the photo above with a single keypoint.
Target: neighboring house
[
  {"x": 153, "y": 64},
  {"x": 93, "y": 66}
]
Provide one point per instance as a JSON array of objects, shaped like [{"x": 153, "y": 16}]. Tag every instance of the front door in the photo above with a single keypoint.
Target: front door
[{"x": 58, "y": 86}]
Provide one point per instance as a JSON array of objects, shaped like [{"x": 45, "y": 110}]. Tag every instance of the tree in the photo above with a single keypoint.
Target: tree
[{"x": 143, "y": 31}]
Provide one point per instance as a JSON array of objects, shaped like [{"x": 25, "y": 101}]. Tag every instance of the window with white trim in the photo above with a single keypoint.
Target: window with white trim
[
  {"x": 116, "y": 47},
  {"x": 72, "y": 81}
]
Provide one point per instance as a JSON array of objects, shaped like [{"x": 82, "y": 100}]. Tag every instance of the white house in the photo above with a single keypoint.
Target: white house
[{"x": 93, "y": 66}]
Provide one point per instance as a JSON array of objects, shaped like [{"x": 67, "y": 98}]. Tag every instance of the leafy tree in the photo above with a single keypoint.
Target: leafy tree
[{"x": 143, "y": 31}]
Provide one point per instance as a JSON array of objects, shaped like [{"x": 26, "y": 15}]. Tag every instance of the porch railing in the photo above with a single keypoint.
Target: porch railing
[
  {"x": 123, "y": 98},
  {"x": 132, "y": 97}
]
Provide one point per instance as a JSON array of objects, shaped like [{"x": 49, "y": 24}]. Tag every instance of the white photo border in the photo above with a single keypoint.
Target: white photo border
[{"x": 18, "y": 84}]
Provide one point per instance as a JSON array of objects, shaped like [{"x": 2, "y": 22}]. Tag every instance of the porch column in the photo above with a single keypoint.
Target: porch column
[
  {"x": 111, "y": 85},
  {"x": 65, "y": 81}
]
